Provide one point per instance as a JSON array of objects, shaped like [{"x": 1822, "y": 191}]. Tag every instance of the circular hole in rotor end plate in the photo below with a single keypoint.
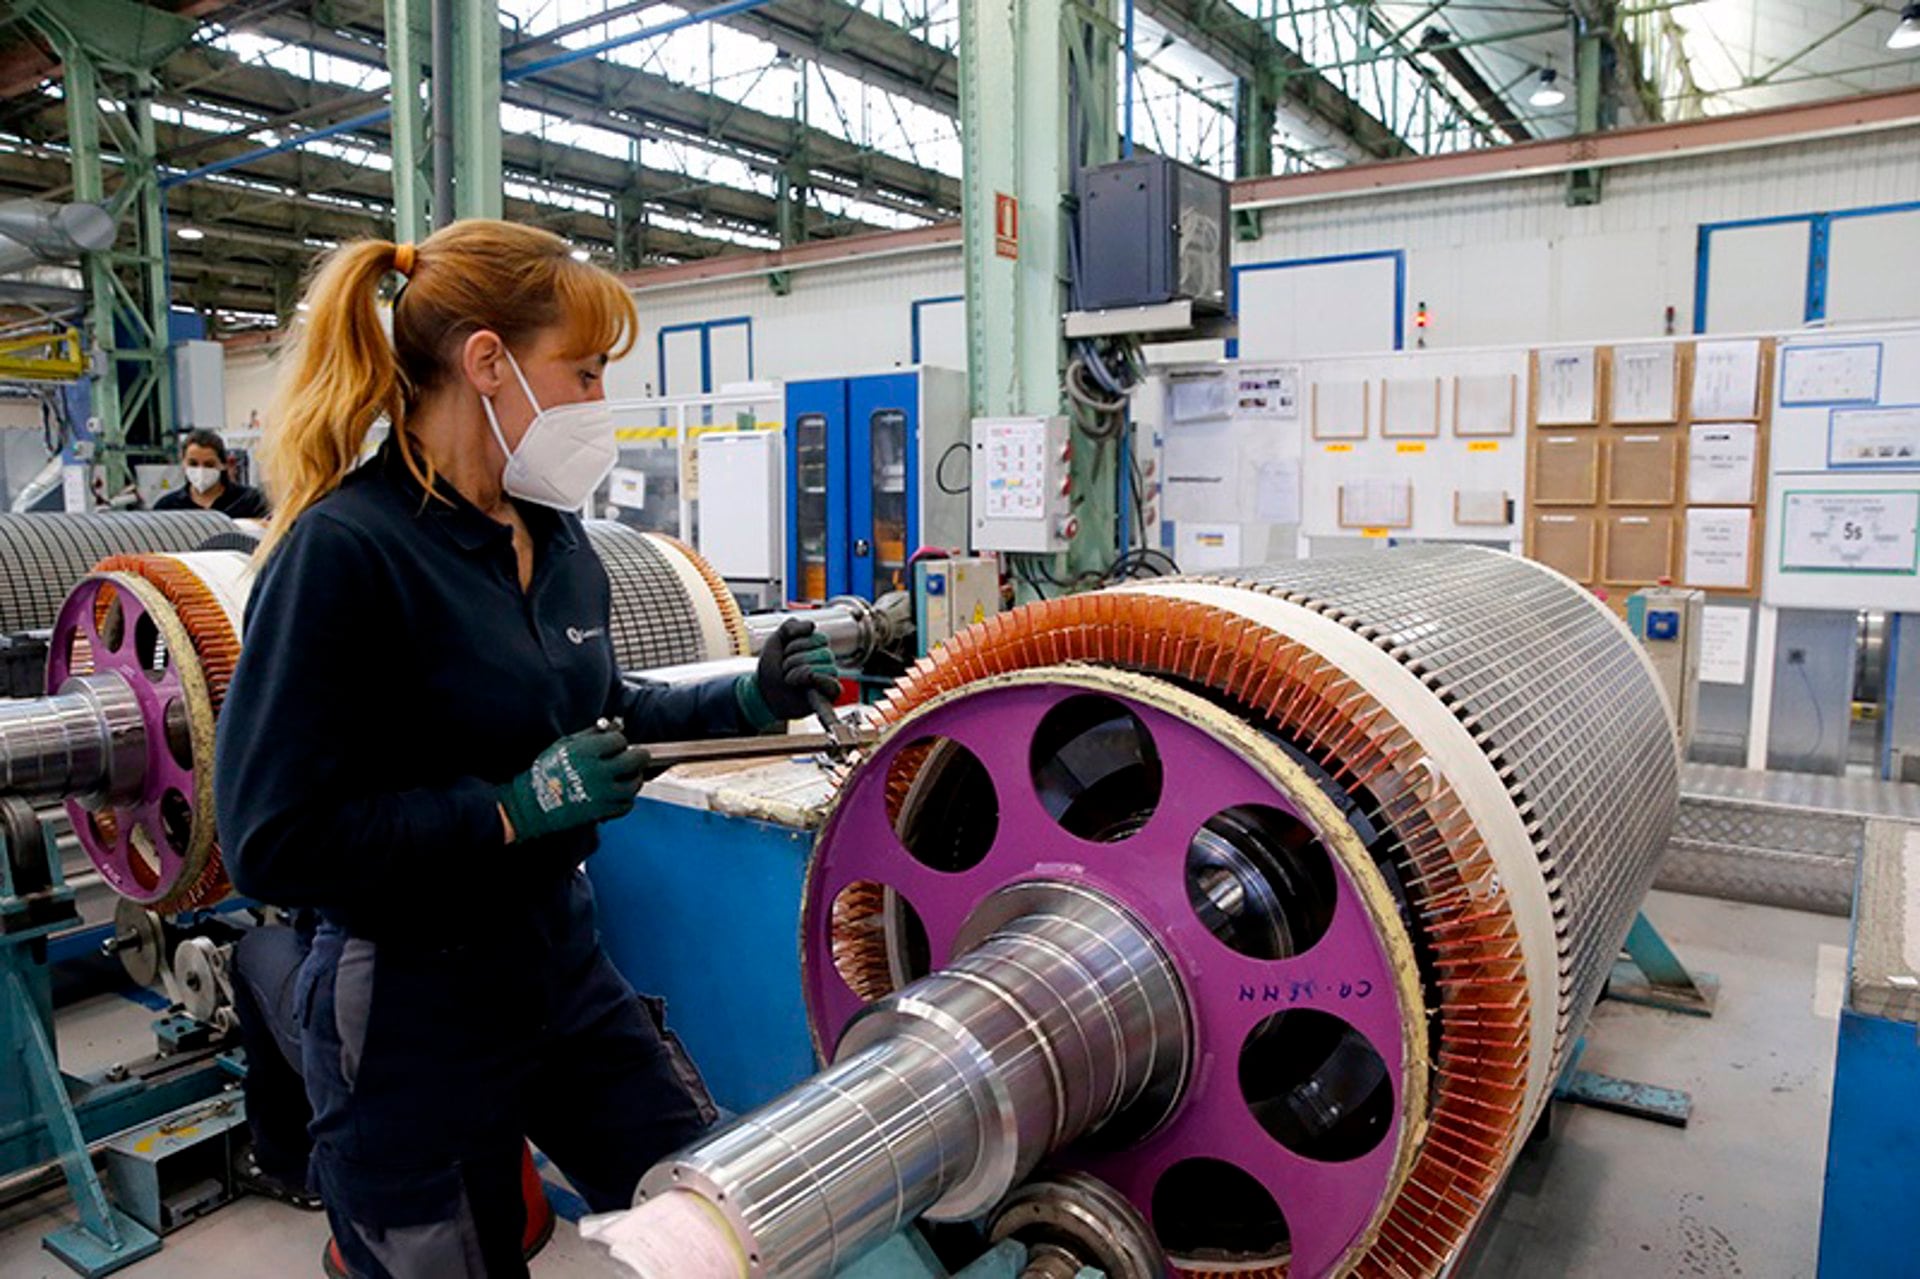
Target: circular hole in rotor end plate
[
  {"x": 1211, "y": 1214},
  {"x": 878, "y": 941},
  {"x": 942, "y": 804},
  {"x": 1095, "y": 768},
  {"x": 1316, "y": 1085},
  {"x": 1261, "y": 882}
]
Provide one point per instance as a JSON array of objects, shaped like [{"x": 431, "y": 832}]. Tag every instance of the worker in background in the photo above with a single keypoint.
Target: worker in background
[
  {"x": 426, "y": 725},
  {"x": 209, "y": 486}
]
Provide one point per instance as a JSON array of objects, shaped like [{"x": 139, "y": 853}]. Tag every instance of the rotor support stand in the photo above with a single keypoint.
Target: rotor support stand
[
  {"x": 1651, "y": 974},
  {"x": 38, "y": 1112}
]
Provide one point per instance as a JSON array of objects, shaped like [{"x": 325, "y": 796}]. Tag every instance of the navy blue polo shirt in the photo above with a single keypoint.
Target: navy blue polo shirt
[{"x": 394, "y": 674}]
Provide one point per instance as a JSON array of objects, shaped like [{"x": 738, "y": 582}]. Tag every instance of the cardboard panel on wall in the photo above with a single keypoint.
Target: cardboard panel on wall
[
  {"x": 1564, "y": 540},
  {"x": 1643, "y": 468},
  {"x": 1637, "y": 549},
  {"x": 1566, "y": 469}
]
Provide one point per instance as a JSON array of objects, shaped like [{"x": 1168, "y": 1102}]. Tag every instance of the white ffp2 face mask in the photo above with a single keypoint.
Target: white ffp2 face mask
[
  {"x": 566, "y": 452},
  {"x": 202, "y": 477}
]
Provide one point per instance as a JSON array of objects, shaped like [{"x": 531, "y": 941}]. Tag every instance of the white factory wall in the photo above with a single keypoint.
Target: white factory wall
[
  {"x": 841, "y": 318},
  {"x": 250, "y": 376},
  {"x": 1509, "y": 262}
]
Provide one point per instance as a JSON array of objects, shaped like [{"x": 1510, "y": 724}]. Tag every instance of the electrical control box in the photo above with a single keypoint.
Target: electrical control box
[
  {"x": 950, "y": 595},
  {"x": 1667, "y": 622},
  {"x": 1022, "y": 488},
  {"x": 1152, "y": 230}
]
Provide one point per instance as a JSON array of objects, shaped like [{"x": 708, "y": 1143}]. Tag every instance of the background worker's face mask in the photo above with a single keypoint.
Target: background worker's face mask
[
  {"x": 565, "y": 453},
  {"x": 202, "y": 477}
]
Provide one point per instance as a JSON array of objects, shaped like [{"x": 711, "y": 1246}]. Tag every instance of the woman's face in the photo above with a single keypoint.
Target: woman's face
[{"x": 552, "y": 376}]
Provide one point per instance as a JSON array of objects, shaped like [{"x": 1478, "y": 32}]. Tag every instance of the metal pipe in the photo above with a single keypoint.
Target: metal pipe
[
  {"x": 440, "y": 112},
  {"x": 89, "y": 738},
  {"x": 1061, "y": 1017},
  {"x": 855, "y": 629}
]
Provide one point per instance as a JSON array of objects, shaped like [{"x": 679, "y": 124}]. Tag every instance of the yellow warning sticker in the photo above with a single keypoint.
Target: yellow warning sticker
[
  {"x": 1410, "y": 447},
  {"x": 1484, "y": 446},
  {"x": 1339, "y": 448},
  {"x": 1376, "y": 532}
]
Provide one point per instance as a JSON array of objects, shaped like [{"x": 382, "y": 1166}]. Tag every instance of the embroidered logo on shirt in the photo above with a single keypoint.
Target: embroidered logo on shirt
[{"x": 579, "y": 636}]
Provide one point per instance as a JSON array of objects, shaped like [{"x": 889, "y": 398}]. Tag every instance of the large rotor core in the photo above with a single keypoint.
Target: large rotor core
[{"x": 1309, "y": 1078}]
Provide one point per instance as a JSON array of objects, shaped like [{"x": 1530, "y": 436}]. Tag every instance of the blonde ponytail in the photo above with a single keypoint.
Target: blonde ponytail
[
  {"x": 341, "y": 376},
  {"x": 343, "y": 372}
]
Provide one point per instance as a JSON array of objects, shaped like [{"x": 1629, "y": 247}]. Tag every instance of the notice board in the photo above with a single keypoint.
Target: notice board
[{"x": 1637, "y": 474}]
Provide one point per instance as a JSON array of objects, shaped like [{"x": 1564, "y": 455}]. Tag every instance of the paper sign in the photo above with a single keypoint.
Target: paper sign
[
  {"x": 1205, "y": 548},
  {"x": 1200, "y": 468},
  {"x": 1726, "y": 379},
  {"x": 1198, "y": 399},
  {"x": 1566, "y": 386},
  {"x": 1719, "y": 545},
  {"x": 627, "y": 488},
  {"x": 1848, "y": 373},
  {"x": 74, "y": 495},
  {"x": 1886, "y": 437},
  {"x": 1720, "y": 462},
  {"x": 1849, "y": 532},
  {"x": 1723, "y": 644},
  {"x": 1480, "y": 507},
  {"x": 1267, "y": 393},
  {"x": 1276, "y": 494},
  {"x": 1643, "y": 383}
]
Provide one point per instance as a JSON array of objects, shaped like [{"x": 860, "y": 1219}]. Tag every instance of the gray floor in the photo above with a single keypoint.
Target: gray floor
[{"x": 1736, "y": 1194}]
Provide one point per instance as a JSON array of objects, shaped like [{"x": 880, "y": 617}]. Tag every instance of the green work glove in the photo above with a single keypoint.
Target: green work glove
[
  {"x": 795, "y": 662},
  {"x": 580, "y": 780}
]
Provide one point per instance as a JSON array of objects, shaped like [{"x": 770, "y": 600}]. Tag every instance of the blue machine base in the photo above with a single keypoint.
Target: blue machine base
[
  {"x": 90, "y": 1256},
  {"x": 1873, "y": 1151},
  {"x": 703, "y": 910}
]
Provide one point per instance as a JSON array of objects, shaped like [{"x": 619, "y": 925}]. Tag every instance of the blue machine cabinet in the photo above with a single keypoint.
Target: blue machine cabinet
[
  {"x": 864, "y": 487},
  {"x": 703, "y": 910}
]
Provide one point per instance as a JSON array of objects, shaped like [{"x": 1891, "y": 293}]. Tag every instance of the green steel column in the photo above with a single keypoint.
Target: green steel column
[
  {"x": 406, "y": 26},
  {"x": 144, "y": 171},
  {"x": 82, "y": 87},
  {"x": 1589, "y": 101},
  {"x": 476, "y": 148},
  {"x": 1255, "y": 117},
  {"x": 1014, "y": 69}
]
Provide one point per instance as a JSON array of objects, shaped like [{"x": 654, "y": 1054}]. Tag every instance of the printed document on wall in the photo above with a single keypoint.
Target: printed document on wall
[
  {"x": 1720, "y": 462},
  {"x": 1887, "y": 437},
  {"x": 1859, "y": 532},
  {"x": 1206, "y": 548},
  {"x": 1723, "y": 644},
  {"x": 1644, "y": 383},
  {"x": 1843, "y": 373},
  {"x": 1266, "y": 393},
  {"x": 1567, "y": 386},
  {"x": 1719, "y": 547},
  {"x": 1726, "y": 379},
  {"x": 1276, "y": 493},
  {"x": 1201, "y": 398},
  {"x": 1200, "y": 464}
]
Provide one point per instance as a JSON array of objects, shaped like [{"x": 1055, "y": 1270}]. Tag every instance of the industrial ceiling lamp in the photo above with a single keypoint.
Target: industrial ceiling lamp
[
  {"x": 1907, "y": 34},
  {"x": 191, "y": 233},
  {"x": 1547, "y": 92}
]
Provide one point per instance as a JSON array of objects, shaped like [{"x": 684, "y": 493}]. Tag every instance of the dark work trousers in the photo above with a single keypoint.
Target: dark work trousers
[
  {"x": 266, "y": 967},
  {"x": 426, "y": 1068}
]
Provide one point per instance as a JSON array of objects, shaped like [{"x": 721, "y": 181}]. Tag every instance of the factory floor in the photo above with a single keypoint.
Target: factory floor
[{"x": 1735, "y": 1195}]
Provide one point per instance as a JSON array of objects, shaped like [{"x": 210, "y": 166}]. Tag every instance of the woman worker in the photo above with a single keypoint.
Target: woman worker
[{"x": 425, "y": 726}]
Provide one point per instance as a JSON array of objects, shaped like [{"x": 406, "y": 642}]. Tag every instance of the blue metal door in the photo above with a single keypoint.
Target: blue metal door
[
  {"x": 817, "y": 468},
  {"x": 883, "y": 428}
]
